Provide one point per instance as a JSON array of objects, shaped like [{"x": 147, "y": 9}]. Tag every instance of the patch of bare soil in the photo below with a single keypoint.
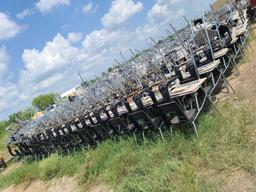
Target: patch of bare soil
[
  {"x": 101, "y": 188},
  {"x": 10, "y": 168},
  {"x": 244, "y": 96},
  {"x": 64, "y": 184},
  {"x": 240, "y": 182}
]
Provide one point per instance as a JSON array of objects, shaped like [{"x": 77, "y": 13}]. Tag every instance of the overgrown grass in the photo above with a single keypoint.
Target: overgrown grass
[
  {"x": 181, "y": 163},
  {"x": 3, "y": 137}
]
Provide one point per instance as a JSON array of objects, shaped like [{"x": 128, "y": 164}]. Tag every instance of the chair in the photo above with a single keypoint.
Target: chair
[
  {"x": 108, "y": 129},
  {"x": 117, "y": 122},
  {"x": 177, "y": 115},
  {"x": 86, "y": 134},
  {"x": 131, "y": 124},
  {"x": 145, "y": 120}
]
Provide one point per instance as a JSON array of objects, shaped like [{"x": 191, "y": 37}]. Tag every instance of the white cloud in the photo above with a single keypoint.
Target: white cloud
[
  {"x": 158, "y": 12},
  {"x": 74, "y": 37},
  {"x": 46, "y": 5},
  {"x": 120, "y": 11},
  {"x": 90, "y": 8},
  {"x": 39, "y": 64},
  {"x": 4, "y": 60},
  {"x": 8, "y": 27},
  {"x": 101, "y": 39},
  {"x": 164, "y": 9},
  {"x": 46, "y": 83},
  {"x": 54, "y": 68},
  {"x": 23, "y": 14},
  {"x": 180, "y": 12}
]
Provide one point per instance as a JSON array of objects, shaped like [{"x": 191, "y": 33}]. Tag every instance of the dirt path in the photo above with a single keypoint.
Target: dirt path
[
  {"x": 65, "y": 184},
  {"x": 245, "y": 96}
]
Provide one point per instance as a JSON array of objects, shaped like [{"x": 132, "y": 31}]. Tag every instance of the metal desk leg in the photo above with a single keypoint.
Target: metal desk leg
[
  {"x": 194, "y": 128},
  {"x": 227, "y": 84},
  {"x": 197, "y": 103},
  {"x": 233, "y": 62}
]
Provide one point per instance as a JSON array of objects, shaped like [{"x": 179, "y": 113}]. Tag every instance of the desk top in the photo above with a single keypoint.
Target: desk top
[
  {"x": 208, "y": 67},
  {"x": 234, "y": 37},
  {"x": 240, "y": 29},
  {"x": 185, "y": 89},
  {"x": 220, "y": 53},
  {"x": 237, "y": 15}
]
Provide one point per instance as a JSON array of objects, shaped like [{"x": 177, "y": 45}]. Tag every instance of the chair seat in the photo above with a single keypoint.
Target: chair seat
[
  {"x": 157, "y": 121},
  {"x": 131, "y": 128},
  {"x": 190, "y": 115},
  {"x": 175, "y": 120},
  {"x": 207, "y": 89}
]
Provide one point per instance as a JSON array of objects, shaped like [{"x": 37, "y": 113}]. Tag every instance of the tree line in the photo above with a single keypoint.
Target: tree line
[{"x": 39, "y": 103}]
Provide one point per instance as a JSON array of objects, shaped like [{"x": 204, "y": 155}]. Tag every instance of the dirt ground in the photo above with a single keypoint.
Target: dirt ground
[
  {"x": 237, "y": 181},
  {"x": 245, "y": 87},
  {"x": 240, "y": 182},
  {"x": 64, "y": 184}
]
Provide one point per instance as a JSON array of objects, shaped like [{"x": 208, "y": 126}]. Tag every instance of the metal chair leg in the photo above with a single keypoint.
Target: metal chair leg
[
  {"x": 227, "y": 84},
  {"x": 161, "y": 133},
  {"x": 216, "y": 111},
  {"x": 134, "y": 137},
  {"x": 143, "y": 136},
  {"x": 194, "y": 128},
  {"x": 235, "y": 66},
  {"x": 171, "y": 130}
]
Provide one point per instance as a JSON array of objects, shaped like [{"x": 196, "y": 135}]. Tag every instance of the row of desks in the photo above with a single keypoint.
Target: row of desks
[{"x": 191, "y": 87}]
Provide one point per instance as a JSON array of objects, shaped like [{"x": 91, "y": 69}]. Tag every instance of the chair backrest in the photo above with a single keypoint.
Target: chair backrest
[
  {"x": 127, "y": 105},
  {"x": 164, "y": 88},
  {"x": 114, "y": 110},
  {"x": 90, "y": 119},
  {"x": 49, "y": 133},
  {"x": 104, "y": 110},
  {"x": 56, "y": 131},
  {"x": 82, "y": 120},
  {"x": 76, "y": 123},
  {"x": 99, "y": 130},
  {"x": 147, "y": 91},
  {"x": 68, "y": 127},
  {"x": 97, "y": 116}
]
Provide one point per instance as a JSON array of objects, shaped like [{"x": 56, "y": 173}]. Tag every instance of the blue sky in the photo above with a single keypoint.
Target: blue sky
[{"x": 43, "y": 43}]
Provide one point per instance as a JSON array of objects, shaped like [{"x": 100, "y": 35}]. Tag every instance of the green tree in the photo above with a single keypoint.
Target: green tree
[
  {"x": 3, "y": 126},
  {"x": 21, "y": 115},
  {"x": 44, "y": 101}
]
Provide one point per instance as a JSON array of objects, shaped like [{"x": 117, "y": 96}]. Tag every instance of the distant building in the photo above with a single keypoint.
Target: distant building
[{"x": 72, "y": 92}]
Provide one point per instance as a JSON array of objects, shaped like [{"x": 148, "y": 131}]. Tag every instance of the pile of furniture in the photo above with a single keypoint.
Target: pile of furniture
[{"x": 166, "y": 85}]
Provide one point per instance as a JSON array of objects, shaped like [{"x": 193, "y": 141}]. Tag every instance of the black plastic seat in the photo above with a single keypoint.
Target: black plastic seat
[
  {"x": 144, "y": 117},
  {"x": 177, "y": 115}
]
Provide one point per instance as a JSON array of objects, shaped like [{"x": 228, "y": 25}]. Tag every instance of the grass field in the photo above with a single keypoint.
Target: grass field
[{"x": 181, "y": 163}]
